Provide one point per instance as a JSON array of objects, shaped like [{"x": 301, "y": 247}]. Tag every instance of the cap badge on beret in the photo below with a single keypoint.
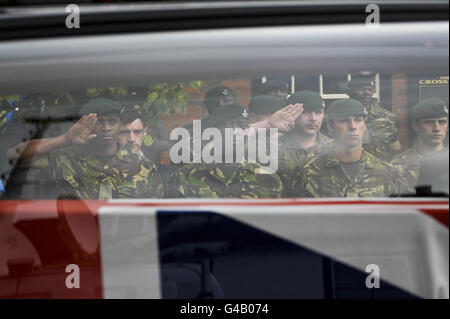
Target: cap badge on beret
[
  {"x": 445, "y": 110},
  {"x": 245, "y": 113},
  {"x": 225, "y": 92}
]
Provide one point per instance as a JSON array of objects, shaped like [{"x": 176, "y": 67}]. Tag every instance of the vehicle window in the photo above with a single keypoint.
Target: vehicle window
[
  {"x": 355, "y": 134},
  {"x": 127, "y": 131}
]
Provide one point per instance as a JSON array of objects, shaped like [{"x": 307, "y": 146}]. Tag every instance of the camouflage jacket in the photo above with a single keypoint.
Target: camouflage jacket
[
  {"x": 291, "y": 156},
  {"x": 78, "y": 172},
  {"x": 408, "y": 164},
  {"x": 323, "y": 176},
  {"x": 223, "y": 181},
  {"x": 382, "y": 131}
]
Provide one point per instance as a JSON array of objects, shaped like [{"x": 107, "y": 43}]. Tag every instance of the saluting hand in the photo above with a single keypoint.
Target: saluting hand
[
  {"x": 284, "y": 119},
  {"x": 81, "y": 132}
]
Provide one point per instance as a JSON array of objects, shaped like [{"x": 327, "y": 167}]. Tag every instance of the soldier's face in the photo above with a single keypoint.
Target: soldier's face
[
  {"x": 107, "y": 129},
  {"x": 363, "y": 94},
  {"x": 227, "y": 100},
  {"x": 232, "y": 124},
  {"x": 309, "y": 123},
  {"x": 255, "y": 117},
  {"x": 431, "y": 131},
  {"x": 348, "y": 131},
  {"x": 132, "y": 135}
]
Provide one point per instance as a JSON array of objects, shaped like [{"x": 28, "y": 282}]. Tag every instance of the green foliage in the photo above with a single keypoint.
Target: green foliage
[
  {"x": 8, "y": 97},
  {"x": 196, "y": 84},
  {"x": 118, "y": 93},
  {"x": 167, "y": 98},
  {"x": 162, "y": 98},
  {"x": 172, "y": 95}
]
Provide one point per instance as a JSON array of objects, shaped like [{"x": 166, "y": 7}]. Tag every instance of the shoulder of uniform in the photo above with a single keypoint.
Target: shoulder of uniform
[
  {"x": 267, "y": 177},
  {"x": 367, "y": 156},
  {"x": 285, "y": 141},
  {"x": 146, "y": 162},
  {"x": 324, "y": 138},
  {"x": 404, "y": 155},
  {"x": 70, "y": 151},
  {"x": 254, "y": 168},
  {"x": 380, "y": 110},
  {"x": 314, "y": 162},
  {"x": 399, "y": 157},
  {"x": 67, "y": 154},
  {"x": 327, "y": 159},
  {"x": 263, "y": 170},
  {"x": 374, "y": 161},
  {"x": 190, "y": 168},
  {"x": 181, "y": 173},
  {"x": 324, "y": 143},
  {"x": 286, "y": 152}
]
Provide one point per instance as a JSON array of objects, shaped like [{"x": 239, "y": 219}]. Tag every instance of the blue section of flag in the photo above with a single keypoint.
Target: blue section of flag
[
  {"x": 2, "y": 188},
  {"x": 208, "y": 255},
  {"x": 9, "y": 116}
]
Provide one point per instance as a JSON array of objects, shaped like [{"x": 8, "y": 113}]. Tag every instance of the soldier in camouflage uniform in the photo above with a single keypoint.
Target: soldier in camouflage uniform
[
  {"x": 214, "y": 98},
  {"x": 219, "y": 96},
  {"x": 430, "y": 121},
  {"x": 153, "y": 136},
  {"x": 381, "y": 138},
  {"x": 224, "y": 180},
  {"x": 243, "y": 180},
  {"x": 132, "y": 131},
  {"x": 347, "y": 170},
  {"x": 262, "y": 107},
  {"x": 305, "y": 140},
  {"x": 134, "y": 136},
  {"x": 277, "y": 88},
  {"x": 101, "y": 168}
]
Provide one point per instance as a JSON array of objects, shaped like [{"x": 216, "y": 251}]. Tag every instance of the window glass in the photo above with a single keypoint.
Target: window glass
[{"x": 240, "y": 137}]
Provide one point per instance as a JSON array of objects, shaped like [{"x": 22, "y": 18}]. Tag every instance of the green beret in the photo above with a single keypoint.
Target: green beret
[
  {"x": 311, "y": 100},
  {"x": 272, "y": 85},
  {"x": 361, "y": 81},
  {"x": 101, "y": 106},
  {"x": 345, "y": 107},
  {"x": 225, "y": 113},
  {"x": 430, "y": 108},
  {"x": 358, "y": 80},
  {"x": 217, "y": 92},
  {"x": 265, "y": 104}
]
